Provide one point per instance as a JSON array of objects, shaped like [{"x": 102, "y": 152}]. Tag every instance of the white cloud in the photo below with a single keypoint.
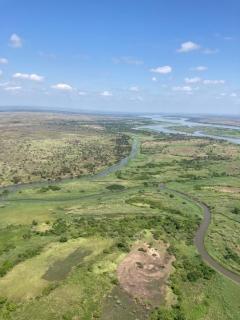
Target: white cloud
[
  {"x": 140, "y": 98},
  {"x": 134, "y": 89},
  {"x": 208, "y": 51},
  {"x": 163, "y": 70},
  {"x": 1, "y": 72},
  {"x": 15, "y": 41},
  {"x": 50, "y": 55},
  {"x": 62, "y": 86},
  {"x": 12, "y": 88},
  {"x": 115, "y": 60},
  {"x": 188, "y": 46},
  {"x": 82, "y": 56},
  {"x": 199, "y": 68},
  {"x": 33, "y": 77},
  {"x": 214, "y": 81},
  {"x": 132, "y": 60},
  {"x": 218, "y": 35},
  {"x": 193, "y": 80},
  {"x": 82, "y": 93},
  {"x": 3, "y": 61},
  {"x": 106, "y": 94},
  {"x": 164, "y": 86},
  {"x": 154, "y": 79},
  {"x": 184, "y": 88},
  {"x": 3, "y": 84},
  {"x": 189, "y": 92},
  {"x": 233, "y": 95},
  {"x": 223, "y": 94}
]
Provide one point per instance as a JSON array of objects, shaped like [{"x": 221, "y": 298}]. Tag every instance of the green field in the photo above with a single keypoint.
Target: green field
[{"x": 64, "y": 249}]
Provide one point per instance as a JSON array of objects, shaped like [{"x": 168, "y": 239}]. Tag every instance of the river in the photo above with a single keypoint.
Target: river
[{"x": 185, "y": 122}]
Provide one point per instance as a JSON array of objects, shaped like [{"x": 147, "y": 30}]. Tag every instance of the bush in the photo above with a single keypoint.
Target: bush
[
  {"x": 2, "y": 300},
  {"x": 63, "y": 239},
  {"x": 34, "y": 223},
  {"x": 236, "y": 211},
  {"x": 140, "y": 265},
  {"x": 96, "y": 315},
  {"x": 49, "y": 289},
  {"x": 5, "y": 267},
  {"x": 6, "y": 314},
  {"x": 115, "y": 281},
  {"x": 11, "y": 306},
  {"x": 115, "y": 187},
  {"x": 194, "y": 276},
  {"x": 106, "y": 251}
]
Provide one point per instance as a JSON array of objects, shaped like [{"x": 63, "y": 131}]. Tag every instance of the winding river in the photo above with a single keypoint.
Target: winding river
[
  {"x": 184, "y": 122},
  {"x": 199, "y": 238}
]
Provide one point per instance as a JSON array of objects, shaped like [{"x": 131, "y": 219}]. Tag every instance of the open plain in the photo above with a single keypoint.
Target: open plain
[{"x": 121, "y": 245}]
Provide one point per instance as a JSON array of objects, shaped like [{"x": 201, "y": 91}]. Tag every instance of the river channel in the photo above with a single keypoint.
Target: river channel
[{"x": 184, "y": 122}]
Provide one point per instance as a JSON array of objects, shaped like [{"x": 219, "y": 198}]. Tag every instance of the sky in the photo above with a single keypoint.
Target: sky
[{"x": 136, "y": 56}]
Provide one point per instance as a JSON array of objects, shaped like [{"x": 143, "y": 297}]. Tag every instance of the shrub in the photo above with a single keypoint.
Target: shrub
[
  {"x": 34, "y": 223},
  {"x": 63, "y": 239},
  {"x": 194, "y": 276},
  {"x": 96, "y": 315},
  {"x": 236, "y": 211},
  {"x": 115, "y": 187},
  {"x": 6, "y": 314},
  {"x": 49, "y": 289},
  {"x": 106, "y": 251},
  {"x": 140, "y": 265},
  {"x": 115, "y": 281},
  {"x": 11, "y": 306},
  {"x": 3, "y": 300},
  {"x": 138, "y": 299},
  {"x": 5, "y": 267}
]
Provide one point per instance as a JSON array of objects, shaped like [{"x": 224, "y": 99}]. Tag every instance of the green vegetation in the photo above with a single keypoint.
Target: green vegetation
[
  {"x": 213, "y": 131},
  {"x": 60, "y": 257}
]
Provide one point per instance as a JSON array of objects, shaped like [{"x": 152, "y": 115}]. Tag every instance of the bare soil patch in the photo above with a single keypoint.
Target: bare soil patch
[
  {"x": 144, "y": 273},
  {"x": 227, "y": 189}
]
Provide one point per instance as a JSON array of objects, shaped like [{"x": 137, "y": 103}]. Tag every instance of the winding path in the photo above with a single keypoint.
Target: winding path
[{"x": 199, "y": 238}]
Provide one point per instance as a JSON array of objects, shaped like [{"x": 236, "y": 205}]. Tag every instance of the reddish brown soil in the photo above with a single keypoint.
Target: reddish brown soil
[{"x": 149, "y": 282}]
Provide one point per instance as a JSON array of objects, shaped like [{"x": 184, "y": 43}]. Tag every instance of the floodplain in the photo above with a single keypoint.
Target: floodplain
[{"x": 119, "y": 246}]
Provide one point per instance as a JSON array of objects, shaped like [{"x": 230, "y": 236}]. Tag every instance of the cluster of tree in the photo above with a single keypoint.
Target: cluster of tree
[
  {"x": 236, "y": 210},
  {"x": 50, "y": 187},
  {"x": 9, "y": 264},
  {"x": 115, "y": 187},
  {"x": 232, "y": 255}
]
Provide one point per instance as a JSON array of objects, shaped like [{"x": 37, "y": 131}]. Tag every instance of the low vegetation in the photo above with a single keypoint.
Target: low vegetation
[{"x": 120, "y": 246}]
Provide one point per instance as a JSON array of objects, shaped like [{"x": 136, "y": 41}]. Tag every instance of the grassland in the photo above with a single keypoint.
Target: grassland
[
  {"x": 222, "y": 132},
  {"x": 63, "y": 255},
  {"x": 39, "y": 147}
]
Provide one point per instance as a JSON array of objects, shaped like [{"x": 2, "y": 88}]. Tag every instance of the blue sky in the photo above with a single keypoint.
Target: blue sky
[{"x": 138, "y": 55}]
